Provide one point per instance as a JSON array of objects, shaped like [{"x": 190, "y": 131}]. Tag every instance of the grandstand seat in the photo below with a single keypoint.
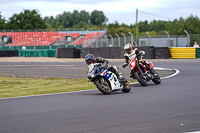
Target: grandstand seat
[{"x": 48, "y": 38}]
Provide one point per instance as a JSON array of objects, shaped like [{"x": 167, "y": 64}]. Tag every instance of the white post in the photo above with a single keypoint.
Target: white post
[
  {"x": 96, "y": 40},
  {"x": 124, "y": 38},
  {"x": 106, "y": 40},
  {"x": 132, "y": 39},
  {"x": 149, "y": 38},
  {"x": 188, "y": 38},
  {"x": 111, "y": 39},
  {"x": 168, "y": 38},
  {"x": 118, "y": 39}
]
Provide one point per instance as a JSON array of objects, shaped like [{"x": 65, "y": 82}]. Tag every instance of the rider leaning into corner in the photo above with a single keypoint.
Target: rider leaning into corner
[
  {"x": 89, "y": 59},
  {"x": 133, "y": 53}
]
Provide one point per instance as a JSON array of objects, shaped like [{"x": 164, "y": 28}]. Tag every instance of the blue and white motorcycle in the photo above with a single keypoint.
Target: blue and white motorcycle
[{"x": 106, "y": 81}]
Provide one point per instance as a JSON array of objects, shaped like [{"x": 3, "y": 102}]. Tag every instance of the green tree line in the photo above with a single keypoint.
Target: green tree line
[{"x": 31, "y": 19}]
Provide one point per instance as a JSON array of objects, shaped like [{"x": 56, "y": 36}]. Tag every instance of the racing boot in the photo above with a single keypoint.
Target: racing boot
[{"x": 121, "y": 79}]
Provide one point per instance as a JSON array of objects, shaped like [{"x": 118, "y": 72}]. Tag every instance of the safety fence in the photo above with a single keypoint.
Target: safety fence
[
  {"x": 33, "y": 51},
  {"x": 37, "y": 53},
  {"x": 107, "y": 52}
]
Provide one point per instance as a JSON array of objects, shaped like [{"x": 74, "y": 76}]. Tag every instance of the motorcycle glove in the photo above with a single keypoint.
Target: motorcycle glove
[
  {"x": 139, "y": 54},
  {"x": 125, "y": 64}
]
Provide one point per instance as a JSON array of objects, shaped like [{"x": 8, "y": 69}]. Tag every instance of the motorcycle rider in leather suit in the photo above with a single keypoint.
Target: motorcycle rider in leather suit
[
  {"x": 133, "y": 53},
  {"x": 89, "y": 59}
]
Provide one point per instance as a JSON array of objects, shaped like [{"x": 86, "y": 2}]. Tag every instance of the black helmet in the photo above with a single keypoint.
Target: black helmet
[{"x": 89, "y": 59}]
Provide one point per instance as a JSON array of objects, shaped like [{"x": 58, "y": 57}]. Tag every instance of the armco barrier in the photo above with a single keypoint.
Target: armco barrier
[
  {"x": 183, "y": 52},
  {"x": 197, "y": 52}
]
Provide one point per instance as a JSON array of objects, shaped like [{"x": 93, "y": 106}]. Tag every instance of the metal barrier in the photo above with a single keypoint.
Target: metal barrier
[{"x": 183, "y": 52}]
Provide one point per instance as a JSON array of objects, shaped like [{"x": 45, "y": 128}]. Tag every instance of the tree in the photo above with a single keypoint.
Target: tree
[
  {"x": 84, "y": 18},
  {"x": 98, "y": 18},
  {"x": 2, "y": 22},
  {"x": 143, "y": 26},
  {"x": 26, "y": 20},
  {"x": 114, "y": 25},
  {"x": 69, "y": 20}
]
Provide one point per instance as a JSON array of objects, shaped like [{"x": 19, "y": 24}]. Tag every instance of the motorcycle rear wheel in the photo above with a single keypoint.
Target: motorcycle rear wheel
[
  {"x": 103, "y": 86},
  {"x": 140, "y": 79}
]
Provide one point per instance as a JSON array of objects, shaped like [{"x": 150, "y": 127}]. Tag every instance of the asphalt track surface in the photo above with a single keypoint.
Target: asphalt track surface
[
  {"x": 60, "y": 69},
  {"x": 171, "y": 107}
]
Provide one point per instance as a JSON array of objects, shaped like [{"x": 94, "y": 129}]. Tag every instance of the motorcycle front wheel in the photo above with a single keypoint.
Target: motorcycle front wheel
[
  {"x": 156, "y": 78},
  {"x": 103, "y": 86},
  {"x": 140, "y": 79}
]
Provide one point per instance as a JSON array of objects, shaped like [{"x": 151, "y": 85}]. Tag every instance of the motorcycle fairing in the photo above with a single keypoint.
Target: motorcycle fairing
[
  {"x": 135, "y": 67},
  {"x": 114, "y": 82},
  {"x": 151, "y": 64}
]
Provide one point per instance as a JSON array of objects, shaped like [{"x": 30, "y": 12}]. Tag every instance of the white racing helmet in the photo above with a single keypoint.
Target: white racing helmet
[{"x": 128, "y": 48}]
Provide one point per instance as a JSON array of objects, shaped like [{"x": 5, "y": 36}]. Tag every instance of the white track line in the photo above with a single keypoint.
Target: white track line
[
  {"x": 193, "y": 132},
  {"x": 177, "y": 71}
]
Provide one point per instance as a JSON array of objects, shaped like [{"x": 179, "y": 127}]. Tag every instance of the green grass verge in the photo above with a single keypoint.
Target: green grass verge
[{"x": 18, "y": 86}]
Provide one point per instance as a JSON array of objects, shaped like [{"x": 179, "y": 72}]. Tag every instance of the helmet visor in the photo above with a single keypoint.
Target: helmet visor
[
  {"x": 89, "y": 62},
  {"x": 128, "y": 50}
]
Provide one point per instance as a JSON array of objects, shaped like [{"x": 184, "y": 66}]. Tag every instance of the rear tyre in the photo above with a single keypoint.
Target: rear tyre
[
  {"x": 103, "y": 86},
  {"x": 140, "y": 79},
  {"x": 156, "y": 78}
]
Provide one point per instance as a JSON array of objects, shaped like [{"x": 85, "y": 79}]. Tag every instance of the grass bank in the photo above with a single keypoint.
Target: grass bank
[
  {"x": 17, "y": 86},
  {"x": 29, "y": 86}
]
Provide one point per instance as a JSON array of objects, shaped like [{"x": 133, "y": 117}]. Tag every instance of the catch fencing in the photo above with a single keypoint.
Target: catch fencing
[
  {"x": 161, "y": 41},
  {"x": 157, "y": 41},
  {"x": 107, "y": 42}
]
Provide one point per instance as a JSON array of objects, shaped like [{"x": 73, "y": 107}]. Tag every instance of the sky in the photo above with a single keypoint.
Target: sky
[{"x": 122, "y": 11}]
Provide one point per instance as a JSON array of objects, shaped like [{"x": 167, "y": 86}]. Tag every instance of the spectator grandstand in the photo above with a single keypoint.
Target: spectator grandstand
[
  {"x": 45, "y": 38},
  {"x": 88, "y": 39}
]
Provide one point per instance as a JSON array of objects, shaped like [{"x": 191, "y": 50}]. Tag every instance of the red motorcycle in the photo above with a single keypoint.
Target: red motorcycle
[{"x": 143, "y": 73}]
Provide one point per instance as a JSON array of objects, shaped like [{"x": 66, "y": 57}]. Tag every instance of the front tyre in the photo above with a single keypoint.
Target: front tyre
[
  {"x": 140, "y": 79},
  {"x": 156, "y": 78},
  {"x": 103, "y": 86},
  {"x": 126, "y": 87}
]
